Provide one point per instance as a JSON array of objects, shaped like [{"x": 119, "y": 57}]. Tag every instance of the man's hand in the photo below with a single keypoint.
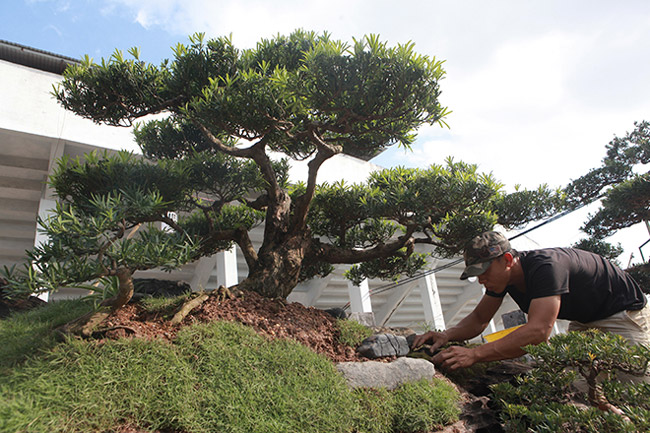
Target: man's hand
[
  {"x": 455, "y": 357},
  {"x": 437, "y": 339}
]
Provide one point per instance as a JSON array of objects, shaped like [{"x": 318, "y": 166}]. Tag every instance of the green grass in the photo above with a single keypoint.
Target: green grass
[
  {"x": 27, "y": 334},
  {"x": 166, "y": 306},
  {"x": 218, "y": 377},
  {"x": 352, "y": 333},
  {"x": 414, "y": 407}
]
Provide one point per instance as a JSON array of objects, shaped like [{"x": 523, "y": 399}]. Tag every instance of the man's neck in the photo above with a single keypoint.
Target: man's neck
[{"x": 517, "y": 275}]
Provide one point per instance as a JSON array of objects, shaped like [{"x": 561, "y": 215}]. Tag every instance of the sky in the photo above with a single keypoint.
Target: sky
[{"x": 537, "y": 88}]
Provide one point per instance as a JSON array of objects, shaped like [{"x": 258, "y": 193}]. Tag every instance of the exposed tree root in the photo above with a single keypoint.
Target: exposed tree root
[
  {"x": 103, "y": 331},
  {"x": 188, "y": 306},
  {"x": 85, "y": 325},
  {"x": 608, "y": 407},
  {"x": 221, "y": 294}
]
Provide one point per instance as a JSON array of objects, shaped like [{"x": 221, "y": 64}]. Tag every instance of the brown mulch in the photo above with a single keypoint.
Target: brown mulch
[
  {"x": 273, "y": 319},
  {"x": 312, "y": 327}
]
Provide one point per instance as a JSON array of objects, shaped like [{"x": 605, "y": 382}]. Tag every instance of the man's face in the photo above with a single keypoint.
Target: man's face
[{"x": 496, "y": 278}]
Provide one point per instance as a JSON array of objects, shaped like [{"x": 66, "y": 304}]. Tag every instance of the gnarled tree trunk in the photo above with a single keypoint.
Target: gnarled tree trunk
[
  {"x": 88, "y": 323},
  {"x": 277, "y": 270}
]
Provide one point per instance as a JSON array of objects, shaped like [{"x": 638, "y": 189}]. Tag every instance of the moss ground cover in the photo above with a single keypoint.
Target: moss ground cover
[{"x": 219, "y": 376}]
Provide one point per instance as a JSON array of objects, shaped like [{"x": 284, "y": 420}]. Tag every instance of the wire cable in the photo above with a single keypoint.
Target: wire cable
[{"x": 423, "y": 274}]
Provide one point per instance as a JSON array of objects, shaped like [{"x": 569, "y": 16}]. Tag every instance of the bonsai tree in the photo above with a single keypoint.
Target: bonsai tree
[
  {"x": 621, "y": 182},
  {"x": 222, "y": 117},
  {"x": 624, "y": 186},
  {"x": 97, "y": 232},
  {"x": 304, "y": 95},
  {"x": 546, "y": 399}
]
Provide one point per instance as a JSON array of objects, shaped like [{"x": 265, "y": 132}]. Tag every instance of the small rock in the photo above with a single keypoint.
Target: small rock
[
  {"x": 389, "y": 375},
  {"x": 400, "y": 330},
  {"x": 337, "y": 313},
  {"x": 383, "y": 345},
  {"x": 366, "y": 319},
  {"x": 156, "y": 287}
]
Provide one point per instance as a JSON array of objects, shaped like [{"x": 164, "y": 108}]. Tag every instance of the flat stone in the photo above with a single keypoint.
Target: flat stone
[
  {"x": 366, "y": 319},
  {"x": 384, "y": 345},
  {"x": 389, "y": 375}
]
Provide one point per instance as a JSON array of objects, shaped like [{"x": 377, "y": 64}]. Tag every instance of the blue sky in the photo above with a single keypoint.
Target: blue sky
[
  {"x": 77, "y": 28},
  {"x": 537, "y": 87}
]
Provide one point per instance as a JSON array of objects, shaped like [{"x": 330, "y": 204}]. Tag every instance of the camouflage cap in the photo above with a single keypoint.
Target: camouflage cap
[{"x": 480, "y": 252}]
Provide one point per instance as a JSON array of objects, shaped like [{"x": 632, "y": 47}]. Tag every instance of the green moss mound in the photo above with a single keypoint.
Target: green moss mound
[{"x": 217, "y": 377}]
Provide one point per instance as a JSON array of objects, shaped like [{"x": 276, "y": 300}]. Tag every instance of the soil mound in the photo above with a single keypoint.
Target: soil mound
[{"x": 312, "y": 327}]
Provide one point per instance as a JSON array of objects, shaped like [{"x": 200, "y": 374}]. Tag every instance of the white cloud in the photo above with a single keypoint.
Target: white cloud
[
  {"x": 248, "y": 21},
  {"x": 526, "y": 74},
  {"x": 59, "y": 5},
  {"x": 537, "y": 88}
]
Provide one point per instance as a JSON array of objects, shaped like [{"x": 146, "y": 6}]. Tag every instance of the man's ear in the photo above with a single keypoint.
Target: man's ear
[{"x": 508, "y": 257}]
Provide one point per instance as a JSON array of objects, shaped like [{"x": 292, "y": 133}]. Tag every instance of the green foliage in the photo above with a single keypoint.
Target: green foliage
[
  {"x": 147, "y": 189},
  {"x": 622, "y": 182},
  {"x": 351, "y": 332},
  {"x": 213, "y": 377},
  {"x": 359, "y": 94},
  {"x": 139, "y": 92},
  {"x": 542, "y": 400},
  {"x": 103, "y": 222},
  {"x": 560, "y": 418},
  {"x": 641, "y": 274},
  {"x": 210, "y": 160},
  {"x": 400, "y": 201},
  {"x": 104, "y": 288},
  {"x": 626, "y": 203},
  {"x": 522, "y": 206},
  {"x": 402, "y": 263},
  {"x": 83, "y": 248},
  {"x": 598, "y": 246},
  {"x": 592, "y": 351}
]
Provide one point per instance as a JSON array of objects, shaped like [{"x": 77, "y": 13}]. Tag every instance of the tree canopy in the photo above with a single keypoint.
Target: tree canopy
[
  {"x": 620, "y": 182},
  {"x": 623, "y": 184},
  {"x": 220, "y": 115}
]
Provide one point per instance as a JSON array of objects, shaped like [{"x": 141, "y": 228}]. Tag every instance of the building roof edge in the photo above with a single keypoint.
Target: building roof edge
[{"x": 34, "y": 58}]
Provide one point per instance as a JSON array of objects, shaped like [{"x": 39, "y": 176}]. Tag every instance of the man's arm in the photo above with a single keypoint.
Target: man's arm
[
  {"x": 469, "y": 327},
  {"x": 541, "y": 317}
]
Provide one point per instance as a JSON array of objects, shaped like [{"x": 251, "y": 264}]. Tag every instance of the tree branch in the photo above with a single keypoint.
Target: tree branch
[
  {"x": 171, "y": 223},
  {"x": 220, "y": 146},
  {"x": 334, "y": 255},
  {"x": 325, "y": 152},
  {"x": 240, "y": 237},
  {"x": 259, "y": 203},
  {"x": 127, "y": 122},
  {"x": 246, "y": 246},
  {"x": 255, "y": 152}
]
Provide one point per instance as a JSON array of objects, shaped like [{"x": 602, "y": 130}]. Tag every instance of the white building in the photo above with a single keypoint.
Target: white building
[{"x": 35, "y": 131}]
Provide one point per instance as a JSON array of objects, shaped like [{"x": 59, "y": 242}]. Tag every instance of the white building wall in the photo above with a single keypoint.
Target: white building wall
[{"x": 28, "y": 106}]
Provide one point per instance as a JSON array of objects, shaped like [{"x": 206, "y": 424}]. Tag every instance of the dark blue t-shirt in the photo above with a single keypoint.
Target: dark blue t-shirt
[{"x": 591, "y": 288}]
